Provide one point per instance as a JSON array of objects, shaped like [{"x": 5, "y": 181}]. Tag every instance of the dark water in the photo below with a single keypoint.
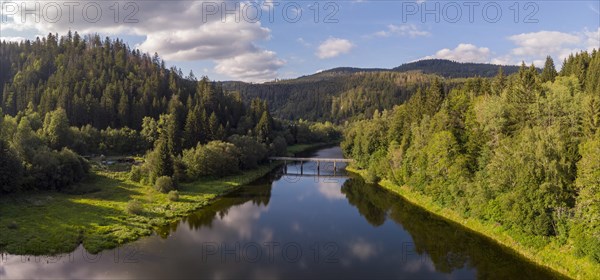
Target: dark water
[{"x": 288, "y": 226}]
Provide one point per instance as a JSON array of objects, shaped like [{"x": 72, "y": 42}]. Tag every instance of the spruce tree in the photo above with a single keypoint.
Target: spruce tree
[{"x": 549, "y": 73}]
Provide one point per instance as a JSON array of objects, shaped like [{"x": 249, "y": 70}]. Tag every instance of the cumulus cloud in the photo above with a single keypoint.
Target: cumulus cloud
[
  {"x": 592, "y": 39},
  {"x": 533, "y": 47},
  {"x": 463, "y": 53},
  {"x": 528, "y": 47},
  {"x": 410, "y": 30},
  {"x": 252, "y": 66},
  {"x": 12, "y": 39},
  {"x": 177, "y": 30},
  {"x": 545, "y": 42},
  {"x": 333, "y": 47},
  {"x": 213, "y": 40}
]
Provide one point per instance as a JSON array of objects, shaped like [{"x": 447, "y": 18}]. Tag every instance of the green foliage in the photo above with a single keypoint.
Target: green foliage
[
  {"x": 264, "y": 128},
  {"x": 164, "y": 184},
  {"x": 518, "y": 151},
  {"x": 11, "y": 170},
  {"x": 134, "y": 207},
  {"x": 56, "y": 129},
  {"x": 549, "y": 73},
  {"x": 279, "y": 146},
  {"x": 586, "y": 228},
  {"x": 173, "y": 196},
  {"x": 216, "y": 158},
  {"x": 251, "y": 152},
  {"x": 136, "y": 173},
  {"x": 160, "y": 160}
]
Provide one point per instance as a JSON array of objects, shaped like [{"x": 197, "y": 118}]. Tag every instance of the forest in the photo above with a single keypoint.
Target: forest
[
  {"x": 515, "y": 147},
  {"x": 65, "y": 98},
  {"x": 348, "y": 94},
  {"x": 519, "y": 151}
]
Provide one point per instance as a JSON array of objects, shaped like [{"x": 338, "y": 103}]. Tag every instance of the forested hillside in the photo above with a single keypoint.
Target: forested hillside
[
  {"x": 347, "y": 93},
  {"x": 64, "y": 96},
  {"x": 334, "y": 97},
  {"x": 520, "y": 152},
  {"x": 453, "y": 69}
]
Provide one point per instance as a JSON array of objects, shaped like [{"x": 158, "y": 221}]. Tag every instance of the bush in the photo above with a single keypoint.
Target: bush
[
  {"x": 213, "y": 159},
  {"x": 134, "y": 207},
  {"x": 173, "y": 195},
  {"x": 164, "y": 184},
  {"x": 251, "y": 152},
  {"x": 135, "y": 174}
]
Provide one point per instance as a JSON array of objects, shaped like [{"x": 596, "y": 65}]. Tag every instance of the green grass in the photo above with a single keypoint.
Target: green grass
[
  {"x": 95, "y": 215},
  {"x": 52, "y": 223},
  {"x": 553, "y": 256}
]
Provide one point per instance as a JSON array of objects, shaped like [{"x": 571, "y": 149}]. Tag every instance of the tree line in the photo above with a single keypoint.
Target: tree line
[
  {"x": 519, "y": 151},
  {"x": 68, "y": 96}
]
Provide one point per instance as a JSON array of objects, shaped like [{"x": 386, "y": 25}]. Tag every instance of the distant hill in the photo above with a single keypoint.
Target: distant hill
[
  {"x": 442, "y": 67},
  {"x": 349, "y": 92},
  {"x": 453, "y": 69}
]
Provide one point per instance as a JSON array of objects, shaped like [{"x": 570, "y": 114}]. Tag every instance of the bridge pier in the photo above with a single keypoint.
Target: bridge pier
[{"x": 317, "y": 160}]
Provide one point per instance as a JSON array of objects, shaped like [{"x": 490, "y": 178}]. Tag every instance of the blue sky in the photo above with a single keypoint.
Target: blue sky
[{"x": 201, "y": 36}]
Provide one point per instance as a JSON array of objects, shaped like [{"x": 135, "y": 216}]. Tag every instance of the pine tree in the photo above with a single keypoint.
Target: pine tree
[
  {"x": 591, "y": 115},
  {"x": 213, "y": 127},
  {"x": 192, "y": 129},
  {"x": 499, "y": 82},
  {"x": 163, "y": 160},
  {"x": 264, "y": 128},
  {"x": 549, "y": 73}
]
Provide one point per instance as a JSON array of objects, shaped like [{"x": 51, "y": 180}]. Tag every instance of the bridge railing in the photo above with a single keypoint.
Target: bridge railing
[{"x": 312, "y": 159}]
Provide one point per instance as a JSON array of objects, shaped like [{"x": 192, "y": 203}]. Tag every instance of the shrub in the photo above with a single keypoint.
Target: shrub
[
  {"x": 213, "y": 159},
  {"x": 173, "y": 195},
  {"x": 164, "y": 184},
  {"x": 134, "y": 207},
  {"x": 135, "y": 174}
]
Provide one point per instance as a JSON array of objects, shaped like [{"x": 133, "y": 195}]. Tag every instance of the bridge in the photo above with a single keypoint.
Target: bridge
[{"x": 317, "y": 160}]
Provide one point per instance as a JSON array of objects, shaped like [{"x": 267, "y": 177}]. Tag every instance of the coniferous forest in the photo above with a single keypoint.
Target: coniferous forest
[
  {"x": 69, "y": 96},
  {"x": 517, "y": 148},
  {"x": 519, "y": 151}
]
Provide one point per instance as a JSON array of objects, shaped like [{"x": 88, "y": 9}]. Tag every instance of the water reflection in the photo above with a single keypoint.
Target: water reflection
[
  {"x": 258, "y": 196},
  {"x": 448, "y": 246},
  {"x": 296, "y": 227}
]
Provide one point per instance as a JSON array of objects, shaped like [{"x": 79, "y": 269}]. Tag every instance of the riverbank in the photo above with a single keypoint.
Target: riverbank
[
  {"x": 554, "y": 257},
  {"x": 96, "y": 216}
]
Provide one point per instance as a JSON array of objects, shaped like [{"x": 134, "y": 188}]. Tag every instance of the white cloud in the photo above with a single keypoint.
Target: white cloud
[
  {"x": 333, "y": 47},
  {"x": 544, "y": 42},
  {"x": 330, "y": 191},
  {"x": 252, "y": 66},
  {"x": 363, "y": 250},
  {"x": 12, "y": 39},
  {"x": 463, "y": 53},
  {"x": 592, "y": 39},
  {"x": 410, "y": 30},
  {"x": 214, "y": 40},
  {"x": 535, "y": 46},
  {"x": 177, "y": 30},
  {"x": 528, "y": 47}
]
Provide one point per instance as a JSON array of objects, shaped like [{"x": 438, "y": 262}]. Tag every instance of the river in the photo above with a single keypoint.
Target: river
[{"x": 299, "y": 227}]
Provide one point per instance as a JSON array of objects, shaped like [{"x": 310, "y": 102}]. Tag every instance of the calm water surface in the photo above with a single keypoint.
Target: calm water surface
[{"x": 291, "y": 226}]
